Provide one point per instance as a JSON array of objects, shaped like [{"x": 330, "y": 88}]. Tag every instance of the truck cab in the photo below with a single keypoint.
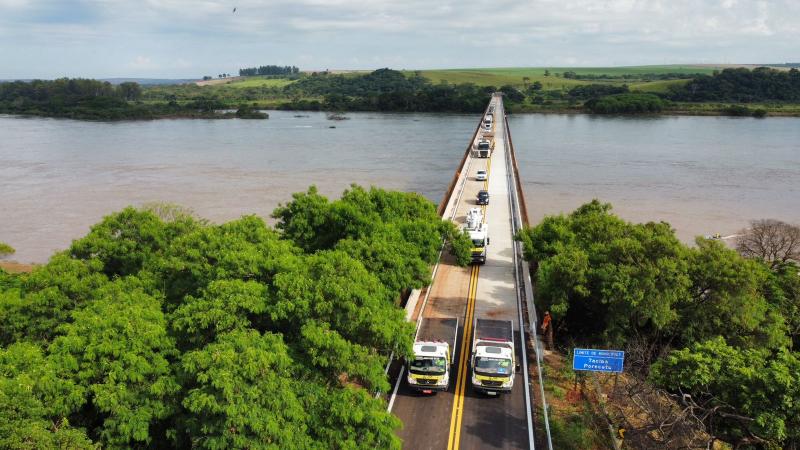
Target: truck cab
[
  {"x": 480, "y": 240},
  {"x": 478, "y": 234},
  {"x": 493, "y": 360},
  {"x": 484, "y": 148},
  {"x": 429, "y": 368}
]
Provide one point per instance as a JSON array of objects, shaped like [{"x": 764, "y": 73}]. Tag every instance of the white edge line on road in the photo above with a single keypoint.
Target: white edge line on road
[
  {"x": 396, "y": 385},
  {"x": 514, "y": 201}
]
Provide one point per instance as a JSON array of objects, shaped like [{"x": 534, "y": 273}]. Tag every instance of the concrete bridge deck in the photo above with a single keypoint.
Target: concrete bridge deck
[{"x": 462, "y": 418}]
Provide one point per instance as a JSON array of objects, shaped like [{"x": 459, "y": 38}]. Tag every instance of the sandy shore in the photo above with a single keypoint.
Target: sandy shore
[{"x": 16, "y": 267}]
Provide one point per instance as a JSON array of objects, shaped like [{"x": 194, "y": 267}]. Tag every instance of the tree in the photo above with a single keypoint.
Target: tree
[
  {"x": 546, "y": 72},
  {"x": 118, "y": 350},
  {"x": 159, "y": 329},
  {"x": 410, "y": 220},
  {"x": 224, "y": 306},
  {"x": 340, "y": 315},
  {"x": 46, "y": 298},
  {"x": 625, "y": 104},
  {"x": 6, "y": 250},
  {"x": 782, "y": 291},
  {"x": 512, "y": 94},
  {"x": 601, "y": 277},
  {"x": 348, "y": 418},
  {"x": 241, "y": 394},
  {"x": 35, "y": 402},
  {"x": 130, "y": 91},
  {"x": 127, "y": 241},
  {"x": 770, "y": 240},
  {"x": 244, "y": 249},
  {"x": 727, "y": 292},
  {"x": 745, "y": 396},
  {"x": 537, "y": 86}
]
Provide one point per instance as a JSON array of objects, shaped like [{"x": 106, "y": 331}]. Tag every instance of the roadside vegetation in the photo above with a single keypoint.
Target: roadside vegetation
[
  {"x": 711, "y": 334},
  {"x": 670, "y": 89},
  {"x": 158, "y": 329}
]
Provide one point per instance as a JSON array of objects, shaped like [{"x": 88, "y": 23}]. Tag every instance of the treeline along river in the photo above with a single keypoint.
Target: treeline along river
[{"x": 702, "y": 174}]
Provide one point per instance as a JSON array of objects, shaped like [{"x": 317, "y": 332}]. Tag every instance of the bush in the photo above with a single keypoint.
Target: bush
[
  {"x": 737, "y": 111},
  {"x": 6, "y": 250},
  {"x": 596, "y": 90},
  {"x": 625, "y": 104},
  {"x": 248, "y": 112}
]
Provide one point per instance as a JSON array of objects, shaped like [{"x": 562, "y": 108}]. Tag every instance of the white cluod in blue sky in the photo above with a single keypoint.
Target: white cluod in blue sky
[{"x": 192, "y": 38}]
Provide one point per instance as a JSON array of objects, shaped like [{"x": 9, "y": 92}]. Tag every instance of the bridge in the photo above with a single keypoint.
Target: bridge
[{"x": 462, "y": 418}]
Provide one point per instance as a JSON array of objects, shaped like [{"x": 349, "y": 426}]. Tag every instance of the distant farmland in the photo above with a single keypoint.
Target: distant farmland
[{"x": 514, "y": 76}]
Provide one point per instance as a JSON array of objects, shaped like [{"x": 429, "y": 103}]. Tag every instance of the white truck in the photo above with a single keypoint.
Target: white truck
[
  {"x": 429, "y": 370},
  {"x": 493, "y": 359},
  {"x": 487, "y": 121},
  {"x": 479, "y": 234},
  {"x": 484, "y": 148}
]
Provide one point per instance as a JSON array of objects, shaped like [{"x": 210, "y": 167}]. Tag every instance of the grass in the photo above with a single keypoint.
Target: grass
[
  {"x": 514, "y": 75},
  {"x": 260, "y": 82},
  {"x": 485, "y": 77},
  {"x": 655, "y": 86},
  {"x": 573, "y": 424}
]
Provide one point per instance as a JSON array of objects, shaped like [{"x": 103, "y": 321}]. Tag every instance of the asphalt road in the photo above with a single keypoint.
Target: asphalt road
[{"x": 482, "y": 421}]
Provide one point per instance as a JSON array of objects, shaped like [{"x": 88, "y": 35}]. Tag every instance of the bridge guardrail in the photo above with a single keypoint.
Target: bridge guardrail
[{"x": 519, "y": 211}]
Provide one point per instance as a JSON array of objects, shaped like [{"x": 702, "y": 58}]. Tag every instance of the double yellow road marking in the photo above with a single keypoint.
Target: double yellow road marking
[{"x": 457, "y": 415}]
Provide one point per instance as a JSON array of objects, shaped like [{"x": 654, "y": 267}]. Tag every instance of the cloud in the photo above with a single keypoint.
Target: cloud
[
  {"x": 108, "y": 37},
  {"x": 142, "y": 63}
]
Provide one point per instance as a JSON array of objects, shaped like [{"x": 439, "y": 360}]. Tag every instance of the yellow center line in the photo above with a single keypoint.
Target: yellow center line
[
  {"x": 457, "y": 415},
  {"x": 461, "y": 382},
  {"x": 457, "y": 437}
]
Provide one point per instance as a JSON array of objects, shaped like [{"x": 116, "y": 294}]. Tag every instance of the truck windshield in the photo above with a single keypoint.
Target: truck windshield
[
  {"x": 428, "y": 365},
  {"x": 492, "y": 366},
  {"x": 477, "y": 243}
]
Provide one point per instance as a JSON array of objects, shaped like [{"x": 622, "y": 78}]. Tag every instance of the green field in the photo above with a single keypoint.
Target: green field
[
  {"x": 655, "y": 86},
  {"x": 260, "y": 82},
  {"x": 514, "y": 76}
]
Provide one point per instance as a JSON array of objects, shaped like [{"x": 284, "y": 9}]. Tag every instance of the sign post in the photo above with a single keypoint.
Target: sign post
[
  {"x": 593, "y": 360},
  {"x": 606, "y": 361}
]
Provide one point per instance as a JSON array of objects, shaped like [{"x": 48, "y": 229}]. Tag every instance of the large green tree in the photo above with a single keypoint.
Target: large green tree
[
  {"x": 158, "y": 329},
  {"x": 119, "y": 351},
  {"x": 602, "y": 277},
  {"x": 241, "y": 393},
  {"x": 746, "y": 396},
  {"x": 35, "y": 402}
]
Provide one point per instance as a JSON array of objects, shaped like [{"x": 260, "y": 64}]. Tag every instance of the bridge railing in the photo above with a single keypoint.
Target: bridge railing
[{"x": 522, "y": 273}]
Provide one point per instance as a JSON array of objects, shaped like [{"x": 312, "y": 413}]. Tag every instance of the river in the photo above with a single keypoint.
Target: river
[{"x": 701, "y": 174}]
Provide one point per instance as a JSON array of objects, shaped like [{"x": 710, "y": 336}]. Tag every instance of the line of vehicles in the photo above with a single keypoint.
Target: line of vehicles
[{"x": 493, "y": 357}]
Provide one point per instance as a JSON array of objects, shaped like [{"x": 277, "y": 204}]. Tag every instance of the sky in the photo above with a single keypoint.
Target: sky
[{"x": 192, "y": 38}]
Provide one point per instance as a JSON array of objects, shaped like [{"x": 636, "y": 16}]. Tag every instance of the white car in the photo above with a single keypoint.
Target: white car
[{"x": 480, "y": 175}]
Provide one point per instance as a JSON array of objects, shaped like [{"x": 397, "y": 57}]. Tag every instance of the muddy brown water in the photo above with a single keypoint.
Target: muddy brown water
[{"x": 704, "y": 175}]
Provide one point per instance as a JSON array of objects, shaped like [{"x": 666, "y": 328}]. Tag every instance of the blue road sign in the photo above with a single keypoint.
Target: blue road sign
[{"x": 598, "y": 360}]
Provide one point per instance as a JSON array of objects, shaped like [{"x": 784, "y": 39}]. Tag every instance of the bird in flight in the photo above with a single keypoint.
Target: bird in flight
[{"x": 234, "y": 9}]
